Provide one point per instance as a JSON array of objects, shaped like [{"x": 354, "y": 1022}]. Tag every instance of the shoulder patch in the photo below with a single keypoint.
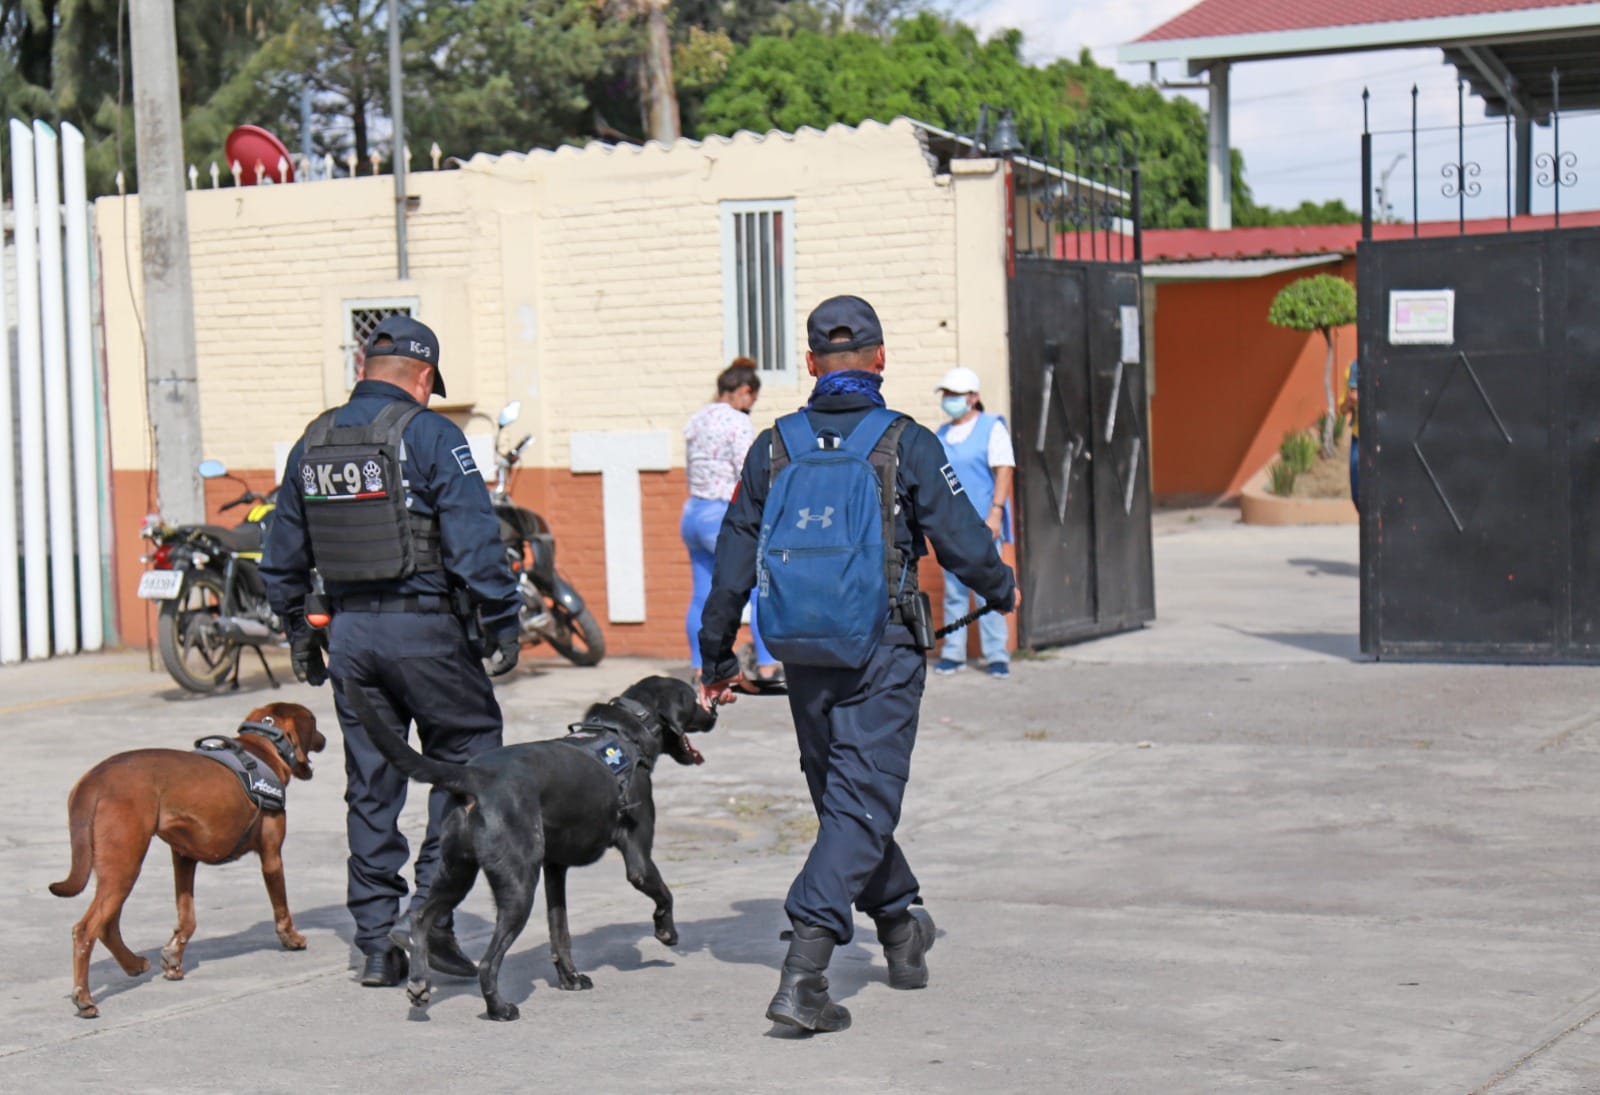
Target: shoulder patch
[
  {"x": 463, "y": 455},
  {"x": 951, "y": 479}
]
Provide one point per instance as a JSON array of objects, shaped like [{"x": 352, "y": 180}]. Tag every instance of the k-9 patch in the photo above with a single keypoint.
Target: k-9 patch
[{"x": 343, "y": 480}]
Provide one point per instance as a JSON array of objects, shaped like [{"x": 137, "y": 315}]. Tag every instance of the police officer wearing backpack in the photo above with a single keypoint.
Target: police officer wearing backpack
[
  {"x": 833, "y": 555},
  {"x": 381, "y": 496}
]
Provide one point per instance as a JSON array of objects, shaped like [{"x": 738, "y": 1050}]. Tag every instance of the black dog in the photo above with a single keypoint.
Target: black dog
[{"x": 558, "y": 803}]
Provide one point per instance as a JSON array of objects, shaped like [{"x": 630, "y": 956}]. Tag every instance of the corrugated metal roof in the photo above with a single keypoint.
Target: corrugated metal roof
[
  {"x": 1232, "y": 269},
  {"x": 1219, "y": 18}
]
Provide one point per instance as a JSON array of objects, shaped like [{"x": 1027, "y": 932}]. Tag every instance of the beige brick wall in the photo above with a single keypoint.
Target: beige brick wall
[{"x": 586, "y": 283}]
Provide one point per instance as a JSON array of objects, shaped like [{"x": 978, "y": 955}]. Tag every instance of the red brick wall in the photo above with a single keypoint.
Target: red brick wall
[{"x": 571, "y": 503}]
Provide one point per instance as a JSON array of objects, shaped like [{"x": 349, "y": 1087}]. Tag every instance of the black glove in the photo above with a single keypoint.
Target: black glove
[
  {"x": 1007, "y": 603},
  {"x": 507, "y": 648},
  {"x": 306, "y": 644}
]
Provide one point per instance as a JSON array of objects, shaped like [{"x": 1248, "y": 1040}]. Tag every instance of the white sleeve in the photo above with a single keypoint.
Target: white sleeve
[{"x": 1001, "y": 454}]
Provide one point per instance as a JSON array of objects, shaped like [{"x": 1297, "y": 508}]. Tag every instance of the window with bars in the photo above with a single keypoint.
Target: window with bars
[
  {"x": 758, "y": 284},
  {"x": 361, "y": 318}
]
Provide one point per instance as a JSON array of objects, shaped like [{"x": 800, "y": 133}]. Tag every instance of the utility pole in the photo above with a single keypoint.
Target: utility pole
[
  {"x": 658, "y": 100},
  {"x": 397, "y": 113},
  {"x": 172, "y": 392},
  {"x": 1384, "y": 212}
]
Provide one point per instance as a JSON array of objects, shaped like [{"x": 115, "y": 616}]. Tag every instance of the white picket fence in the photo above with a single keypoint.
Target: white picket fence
[{"x": 52, "y": 482}]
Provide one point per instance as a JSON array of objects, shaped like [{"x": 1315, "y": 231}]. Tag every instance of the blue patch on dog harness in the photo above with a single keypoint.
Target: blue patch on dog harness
[{"x": 607, "y": 748}]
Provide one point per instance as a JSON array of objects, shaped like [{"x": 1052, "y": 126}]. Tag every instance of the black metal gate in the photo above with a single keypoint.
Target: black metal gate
[
  {"x": 1079, "y": 427},
  {"x": 1480, "y": 455}
]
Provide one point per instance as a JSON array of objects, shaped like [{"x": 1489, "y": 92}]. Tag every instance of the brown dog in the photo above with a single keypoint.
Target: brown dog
[{"x": 197, "y": 806}]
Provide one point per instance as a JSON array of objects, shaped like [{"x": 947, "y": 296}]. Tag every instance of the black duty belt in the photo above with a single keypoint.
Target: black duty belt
[{"x": 393, "y": 602}]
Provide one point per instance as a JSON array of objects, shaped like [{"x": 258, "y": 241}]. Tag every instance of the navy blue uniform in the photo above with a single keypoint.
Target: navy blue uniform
[
  {"x": 401, "y": 645},
  {"x": 855, "y": 727}
]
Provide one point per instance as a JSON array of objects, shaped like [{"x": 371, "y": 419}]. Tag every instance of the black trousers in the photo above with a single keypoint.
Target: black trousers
[
  {"x": 856, "y": 729},
  {"x": 413, "y": 668}
]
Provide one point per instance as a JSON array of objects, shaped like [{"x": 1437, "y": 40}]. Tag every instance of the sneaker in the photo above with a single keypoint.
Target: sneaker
[
  {"x": 948, "y": 666},
  {"x": 1000, "y": 671}
]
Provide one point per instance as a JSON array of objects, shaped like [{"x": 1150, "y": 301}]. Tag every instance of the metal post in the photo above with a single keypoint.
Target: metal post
[
  {"x": 397, "y": 113},
  {"x": 10, "y": 588},
  {"x": 1461, "y": 156},
  {"x": 1555, "y": 130},
  {"x": 80, "y": 363},
  {"x": 1508, "y": 166},
  {"x": 1415, "y": 222},
  {"x": 171, "y": 389},
  {"x": 1366, "y": 166},
  {"x": 1219, "y": 158},
  {"x": 57, "y": 424},
  {"x": 1524, "y": 128},
  {"x": 30, "y": 394}
]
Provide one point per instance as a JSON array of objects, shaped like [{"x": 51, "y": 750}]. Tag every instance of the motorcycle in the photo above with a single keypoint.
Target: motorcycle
[
  {"x": 213, "y": 600},
  {"x": 552, "y": 611}
]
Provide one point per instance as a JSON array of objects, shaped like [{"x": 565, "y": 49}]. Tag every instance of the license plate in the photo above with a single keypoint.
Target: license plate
[{"x": 160, "y": 585}]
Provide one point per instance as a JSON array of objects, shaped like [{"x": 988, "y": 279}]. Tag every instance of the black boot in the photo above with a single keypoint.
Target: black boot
[
  {"x": 385, "y": 968},
  {"x": 802, "y": 999},
  {"x": 444, "y": 953},
  {"x": 906, "y": 939}
]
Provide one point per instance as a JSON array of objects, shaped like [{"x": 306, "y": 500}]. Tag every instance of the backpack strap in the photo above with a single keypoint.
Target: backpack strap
[
  {"x": 795, "y": 431},
  {"x": 320, "y": 430},
  {"x": 899, "y": 569},
  {"x": 863, "y": 440}
]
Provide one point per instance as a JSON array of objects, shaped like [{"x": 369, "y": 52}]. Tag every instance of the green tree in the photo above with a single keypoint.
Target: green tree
[
  {"x": 941, "y": 73},
  {"x": 1320, "y": 304}
]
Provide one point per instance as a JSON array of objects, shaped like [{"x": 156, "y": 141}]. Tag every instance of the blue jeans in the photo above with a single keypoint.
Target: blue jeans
[
  {"x": 702, "y": 520},
  {"x": 991, "y": 628},
  {"x": 1355, "y": 471}
]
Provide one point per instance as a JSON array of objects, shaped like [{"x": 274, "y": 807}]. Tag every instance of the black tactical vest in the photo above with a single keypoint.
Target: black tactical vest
[{"x": 355, "y": 501}]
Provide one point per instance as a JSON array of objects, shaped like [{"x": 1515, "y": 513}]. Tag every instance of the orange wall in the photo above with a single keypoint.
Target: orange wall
[
  {"x": 571, "y": 503},
  {"x": 1229, "y": 385}
]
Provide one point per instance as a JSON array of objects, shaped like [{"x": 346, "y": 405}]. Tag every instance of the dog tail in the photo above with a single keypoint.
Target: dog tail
[
  {"x": 458, "y": 779},
  {"x": 81, "y": 820}
]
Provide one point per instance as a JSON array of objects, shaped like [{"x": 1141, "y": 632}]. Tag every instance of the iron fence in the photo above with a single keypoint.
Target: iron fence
[{"x": 1462, "y": 179}]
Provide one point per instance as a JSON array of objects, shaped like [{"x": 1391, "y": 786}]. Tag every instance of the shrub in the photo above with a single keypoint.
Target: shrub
[
  {"x": 1280, "y": 479},
  {"x": 1319, "y": 304},
  {"x": 1298, "y": 451}
]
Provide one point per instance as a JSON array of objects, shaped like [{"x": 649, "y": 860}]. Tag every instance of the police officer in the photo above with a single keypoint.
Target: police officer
[
  {"x": 381, "y": 496},
  {"x": 855, "y": 727}
]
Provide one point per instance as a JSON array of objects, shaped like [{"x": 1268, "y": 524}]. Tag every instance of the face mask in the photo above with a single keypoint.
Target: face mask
[{"x": 954, "y": 405}]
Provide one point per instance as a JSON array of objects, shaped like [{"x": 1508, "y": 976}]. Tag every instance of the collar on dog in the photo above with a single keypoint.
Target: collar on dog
[
  {"x": 651, "y": 720},
  {"x": 279, "y": 740}
]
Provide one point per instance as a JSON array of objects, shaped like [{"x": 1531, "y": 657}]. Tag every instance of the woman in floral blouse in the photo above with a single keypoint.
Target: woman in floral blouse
[{"x": 718, "y": 436}]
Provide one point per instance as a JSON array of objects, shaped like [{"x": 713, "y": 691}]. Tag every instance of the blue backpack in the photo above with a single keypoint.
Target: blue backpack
[{"x": 826, "y": 561}]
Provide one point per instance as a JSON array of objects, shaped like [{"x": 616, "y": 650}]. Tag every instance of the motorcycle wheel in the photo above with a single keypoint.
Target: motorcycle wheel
[
  {"x": 195, "y": 655},
  {"x": 576, "y": 637}
]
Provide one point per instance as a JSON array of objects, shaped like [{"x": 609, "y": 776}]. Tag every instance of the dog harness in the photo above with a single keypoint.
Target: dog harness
[
  {"x": 610, "y": 748},
  {"x": 265, "y": 789}
]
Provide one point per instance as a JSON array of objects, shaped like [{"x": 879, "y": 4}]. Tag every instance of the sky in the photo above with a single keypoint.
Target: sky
[{"x": 1298, "y": 122}]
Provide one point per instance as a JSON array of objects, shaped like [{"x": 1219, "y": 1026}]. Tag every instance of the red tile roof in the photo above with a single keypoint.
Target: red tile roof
[
  {"x": 1191, "y": 244},
  {"x": 1216, "y": 18}
]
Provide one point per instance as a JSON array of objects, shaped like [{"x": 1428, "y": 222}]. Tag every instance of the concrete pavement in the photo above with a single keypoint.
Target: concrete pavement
[{"x": 1218, "y": 855}]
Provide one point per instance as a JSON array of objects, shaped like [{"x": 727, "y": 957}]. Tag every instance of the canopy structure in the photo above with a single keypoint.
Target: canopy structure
[{"x": 1504, "y": 49}]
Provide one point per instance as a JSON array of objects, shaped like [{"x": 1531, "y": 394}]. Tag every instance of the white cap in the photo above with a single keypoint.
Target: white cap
[{"x": 960, "y": 380}]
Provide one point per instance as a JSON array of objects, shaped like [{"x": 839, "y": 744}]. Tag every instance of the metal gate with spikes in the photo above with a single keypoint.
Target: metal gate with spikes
[
  {"x": 1079, "y": 417},
  {"x": 1480, "y": 447}
]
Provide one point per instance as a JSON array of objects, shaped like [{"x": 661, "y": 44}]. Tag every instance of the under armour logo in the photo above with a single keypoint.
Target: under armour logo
[{"x": 806, "y": 517}]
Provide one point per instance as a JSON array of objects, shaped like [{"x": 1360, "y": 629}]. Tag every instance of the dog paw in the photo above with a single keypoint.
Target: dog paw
[
  {"x": 504, "y": 1013},
  {"x": 86, "y": 1007},
  {"x": 292, "y": 941},
  {"x": 136, "y": 967},
  {"x": 420, "y": 993},
  {"x": 577, "y": 982},
  {"x": 172, "y": 973},
  {"x": 668, "y": 935}
]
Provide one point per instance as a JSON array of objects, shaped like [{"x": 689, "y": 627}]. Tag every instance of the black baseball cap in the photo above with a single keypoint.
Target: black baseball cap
[
  {"x": 850, "y": 314},
  {"x": 408, "y": 338}
]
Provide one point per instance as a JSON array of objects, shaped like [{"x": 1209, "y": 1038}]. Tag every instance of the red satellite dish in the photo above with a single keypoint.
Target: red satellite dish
[{"x": 249, "y": 145}]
